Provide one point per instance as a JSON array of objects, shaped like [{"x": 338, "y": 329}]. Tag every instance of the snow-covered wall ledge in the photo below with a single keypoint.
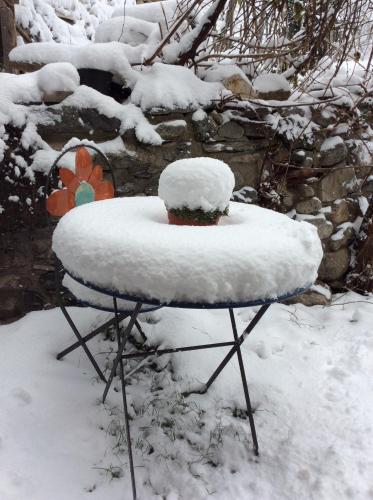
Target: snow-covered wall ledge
[{"x": 303, "y": 161}]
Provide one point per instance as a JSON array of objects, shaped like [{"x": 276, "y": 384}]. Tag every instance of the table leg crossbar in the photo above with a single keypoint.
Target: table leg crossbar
[
  {"x": 82, "y": 341},
  {"x": 235, "y": 349}
]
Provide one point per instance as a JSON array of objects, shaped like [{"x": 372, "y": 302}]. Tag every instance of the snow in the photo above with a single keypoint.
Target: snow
[
  {"x": 129, "y": 115},
  {"x": 340, "y": 230},
  {"x": 164, "y": 86},
  {"x": 173, "y": 50},
  {"x": 327, "y": 210},
  {"x": 57, "y": 77},
  {"x": 172, "y": 123},
  {"x": 271, "y": 82},
  {"x": 347, "y": 78},
  {"x": 159, "y": 86},
  {"x": 128, "y": 246},
  {"x": 128, "y": 30},
  {"x": 322, "y": 290},
  {"x": 310, "y": 380},
  {"x": 363, "y": 204},
  {"x": 41, "y": 18},
  {"x": 13, "y": 198},
  {"x": 199, "y": 115},
  {"x": 197, "y": 183},
  {"x": 31, "y": 87},
  {"x": 341, "y": 128},
  {"x": 145, "y": 24},
  {"x": 293, "y": 126},
  {"x": 113, "y": 56},
  {"x": 220, "y": 72},
  {"x": 18, "y": 90},
  {"x": 42, "y": 160},
  {"x": 363, "y": 150},
  {"x": 154, "y": 12},
  {"x": 331, "y": 143}
]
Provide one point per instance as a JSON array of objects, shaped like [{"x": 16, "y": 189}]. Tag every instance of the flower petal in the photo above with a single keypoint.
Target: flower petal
[
  {"x": 83, "y": 164},
  {"x": 69, "y": 179},
  {"x": 60, "y": 202},
  {"x": 104, "y": 191},
  {"x": 96, "y": 176}
]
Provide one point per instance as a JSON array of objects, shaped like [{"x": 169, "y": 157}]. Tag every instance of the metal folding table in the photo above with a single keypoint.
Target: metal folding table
[
  {"x": 123, "y": 248},
  {"x": 235, "y": 345}
]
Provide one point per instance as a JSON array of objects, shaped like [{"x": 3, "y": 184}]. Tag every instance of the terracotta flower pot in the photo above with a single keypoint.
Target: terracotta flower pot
[{"x": 176, "y": 220}]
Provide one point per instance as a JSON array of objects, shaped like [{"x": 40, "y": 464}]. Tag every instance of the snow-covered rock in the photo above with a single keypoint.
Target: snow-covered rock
[
  {"x": 17, "y": 90},
  {"x": 332, "y": 151},
  {"x": 271, "y": 86},
  {"x": 155, "y": 12},
  {"x": 31, "y": 87},
  {"x": 114, "y": 57},
  {"x": 130, "y": 116},
  {"x": 57, "y": 78},
  {"x": 197, "y": 183},
  {"x": 128, "y": 30},
  {"x": 233, "y": 79},
  {"x": 240, "y": 87}
]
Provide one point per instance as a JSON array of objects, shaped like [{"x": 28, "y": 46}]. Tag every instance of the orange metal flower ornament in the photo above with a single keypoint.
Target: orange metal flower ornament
[{"x": 86, "y": 185}]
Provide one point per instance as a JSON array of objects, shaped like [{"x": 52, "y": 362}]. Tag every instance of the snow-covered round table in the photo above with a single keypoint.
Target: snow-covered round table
[{"x": 125, "y": 248}]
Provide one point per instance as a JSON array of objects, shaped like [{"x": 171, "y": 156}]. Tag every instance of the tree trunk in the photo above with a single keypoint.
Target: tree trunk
[
  {"x": 202, "y": 32},
  {"x": 8, "y": 33}
]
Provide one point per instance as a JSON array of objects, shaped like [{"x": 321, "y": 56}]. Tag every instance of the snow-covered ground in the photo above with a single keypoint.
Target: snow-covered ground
[{"x": 310, "y": 373}]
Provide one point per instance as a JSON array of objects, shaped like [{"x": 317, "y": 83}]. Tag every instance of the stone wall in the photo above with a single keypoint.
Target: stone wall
[{"x": 303, "y": 163}]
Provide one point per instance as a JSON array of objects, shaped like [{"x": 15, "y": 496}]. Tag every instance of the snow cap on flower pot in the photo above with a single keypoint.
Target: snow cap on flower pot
[{"x": 196, "y": 191}]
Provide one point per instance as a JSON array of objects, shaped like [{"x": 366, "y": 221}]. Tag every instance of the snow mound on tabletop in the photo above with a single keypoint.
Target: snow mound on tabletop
[
  {"x": 197, "y": 183},
  {"x": 271, "y": 82},
  {"x": 126, "y": 244},
  {"x": 165, "y": 86}
]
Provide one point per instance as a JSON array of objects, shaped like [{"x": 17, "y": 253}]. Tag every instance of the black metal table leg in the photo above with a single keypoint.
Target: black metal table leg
[
  {"x": 127, "y": 331},
  {"x": 244, "y": 383},
  {"x": 238, "y": 342},
  {"x": 82, "y": 343},
  {"x": 141, "y": 331},
  {"x": 125, "y": 407}
]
